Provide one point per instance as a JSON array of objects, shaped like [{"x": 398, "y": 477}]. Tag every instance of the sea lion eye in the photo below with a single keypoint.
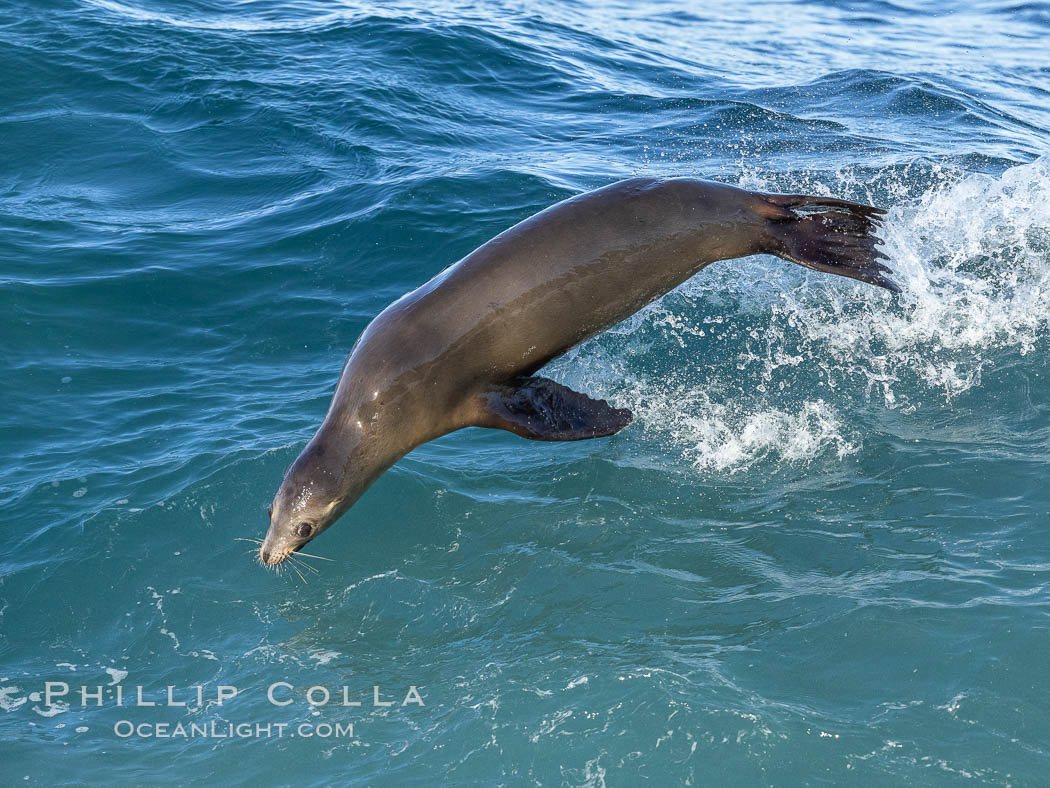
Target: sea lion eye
[
  {"x": 269, "y": 510},
  {"x": 304, "y": 530}
]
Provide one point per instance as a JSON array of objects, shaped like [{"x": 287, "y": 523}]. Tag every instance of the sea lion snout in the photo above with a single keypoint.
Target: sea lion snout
[
  {"x": 271, "y": 555},
  {"x": 278, "y": 544},
  {"x": 274, "y": 550}
]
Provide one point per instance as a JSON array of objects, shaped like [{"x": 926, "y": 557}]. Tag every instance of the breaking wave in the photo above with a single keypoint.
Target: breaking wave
[{"x": 782, "y": 363}]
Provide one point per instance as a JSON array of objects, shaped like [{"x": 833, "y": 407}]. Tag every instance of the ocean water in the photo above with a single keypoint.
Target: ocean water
[{"x": 821, "y": 554}]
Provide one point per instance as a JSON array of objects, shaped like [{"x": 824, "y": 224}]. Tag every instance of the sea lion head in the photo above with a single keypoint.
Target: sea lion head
[
  {"x": 312, "y": 496},
  {"x": 376, "y": 417}
]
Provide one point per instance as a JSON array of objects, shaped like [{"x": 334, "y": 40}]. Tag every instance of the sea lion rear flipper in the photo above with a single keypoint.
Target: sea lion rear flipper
[
  {"x": 827, "y": 234},
  {"x": 543, "y": 410}
]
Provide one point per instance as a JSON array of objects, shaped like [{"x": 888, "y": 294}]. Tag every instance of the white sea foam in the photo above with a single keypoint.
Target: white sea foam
[
  {"x": 973, "y": 257},
  {"x": 779, "y": 370},
  {"x": 9, "y": 700},
  {"x": 323, "y": 657},
  {"x": 58, "y": 707},
  {"x": 226, "y": 23}
]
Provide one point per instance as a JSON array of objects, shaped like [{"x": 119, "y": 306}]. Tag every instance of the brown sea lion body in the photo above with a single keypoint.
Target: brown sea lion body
[{"x": 462, "y": 349}]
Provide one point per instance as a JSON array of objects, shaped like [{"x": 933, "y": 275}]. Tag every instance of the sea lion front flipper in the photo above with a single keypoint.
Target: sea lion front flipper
[{"x": 540, "y": 409}]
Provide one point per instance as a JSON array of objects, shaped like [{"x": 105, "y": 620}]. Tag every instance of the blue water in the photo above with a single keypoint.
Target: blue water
[{"x": 820, "y": 556}]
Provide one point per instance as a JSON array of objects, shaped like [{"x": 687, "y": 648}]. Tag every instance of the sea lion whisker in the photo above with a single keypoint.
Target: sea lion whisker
[
  {"x": 300, "y": 554},
  {"x": 305, "y": 565},
  {"x": 296, "y": 570}
]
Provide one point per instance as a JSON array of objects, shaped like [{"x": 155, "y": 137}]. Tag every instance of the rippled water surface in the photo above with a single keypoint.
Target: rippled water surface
[{"x": 821, "y": 553}]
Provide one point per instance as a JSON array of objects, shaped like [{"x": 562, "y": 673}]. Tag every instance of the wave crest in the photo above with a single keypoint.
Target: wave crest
[{"x": 763, "y": 366}]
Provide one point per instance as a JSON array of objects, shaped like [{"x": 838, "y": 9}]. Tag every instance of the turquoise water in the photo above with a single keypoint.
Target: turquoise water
[{"x": 819, "y": 556}]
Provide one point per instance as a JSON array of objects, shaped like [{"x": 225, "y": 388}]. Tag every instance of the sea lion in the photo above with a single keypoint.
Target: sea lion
[{"x": 462, "y": 350}]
